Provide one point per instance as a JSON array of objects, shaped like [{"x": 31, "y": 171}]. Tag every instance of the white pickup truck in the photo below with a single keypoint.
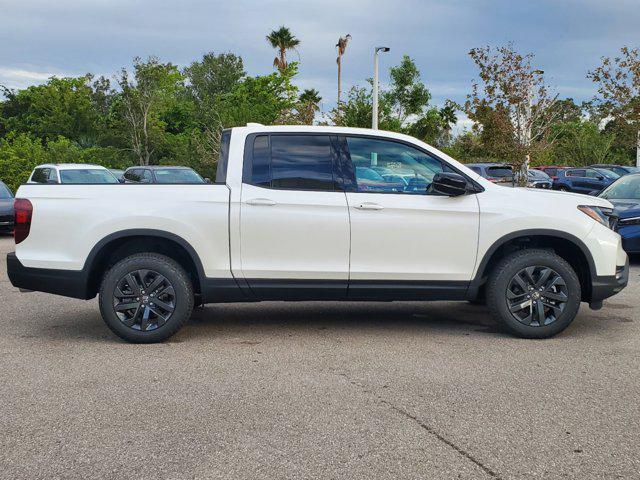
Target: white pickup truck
[{"x": 318, "y": 213}]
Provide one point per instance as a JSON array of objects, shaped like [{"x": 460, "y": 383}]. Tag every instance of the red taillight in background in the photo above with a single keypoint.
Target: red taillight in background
[{"x": 24, "y": 211}]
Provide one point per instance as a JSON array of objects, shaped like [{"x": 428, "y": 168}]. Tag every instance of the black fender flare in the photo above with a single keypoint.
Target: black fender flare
[{"x": 478, "y": 279}]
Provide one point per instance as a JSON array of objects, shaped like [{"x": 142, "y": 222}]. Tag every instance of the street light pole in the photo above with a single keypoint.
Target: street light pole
[{"x": 374, "y": 120}]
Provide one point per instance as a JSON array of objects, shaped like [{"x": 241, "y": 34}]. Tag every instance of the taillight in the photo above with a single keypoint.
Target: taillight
[{"x": 24, "y": 211}]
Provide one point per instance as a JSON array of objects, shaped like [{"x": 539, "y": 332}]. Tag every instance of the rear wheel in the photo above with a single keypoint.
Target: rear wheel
[
  {"x": 534, "y": 293},
  {"x": 563, "y": 188},
  {"x": 146, "y": 298}
]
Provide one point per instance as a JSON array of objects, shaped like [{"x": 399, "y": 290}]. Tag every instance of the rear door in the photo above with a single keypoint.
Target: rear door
[
  {"x": 579, "y": 181},
  {"x": 294, "y": 220},
  {"x": 410, "y": 241}
]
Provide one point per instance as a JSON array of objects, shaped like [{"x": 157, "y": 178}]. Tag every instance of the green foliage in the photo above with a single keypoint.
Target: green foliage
[{"x": 581, "y": 143}]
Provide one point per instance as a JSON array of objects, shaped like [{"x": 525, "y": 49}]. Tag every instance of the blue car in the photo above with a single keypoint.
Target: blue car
[
  {"x": 584, "y": 180},
  {"x": 625, "y": 196},
  {"x": 6, "y": 209}
]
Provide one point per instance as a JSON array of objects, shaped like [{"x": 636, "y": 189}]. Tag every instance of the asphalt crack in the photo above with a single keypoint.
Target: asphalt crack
[{"x": 429, "y": 429}]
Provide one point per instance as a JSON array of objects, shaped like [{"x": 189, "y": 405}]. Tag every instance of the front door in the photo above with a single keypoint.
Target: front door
[
  {"x": 404, "y": 239},
  {"x": 294, "y": 220}
]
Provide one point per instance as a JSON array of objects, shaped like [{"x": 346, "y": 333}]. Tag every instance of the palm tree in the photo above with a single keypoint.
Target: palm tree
[
  {"x": 282, "y": 40},
  {"x": 341, "y": 46}
]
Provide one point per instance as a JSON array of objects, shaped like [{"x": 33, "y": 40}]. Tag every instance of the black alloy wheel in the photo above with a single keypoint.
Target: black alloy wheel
[{"x": 536, "y": 296}]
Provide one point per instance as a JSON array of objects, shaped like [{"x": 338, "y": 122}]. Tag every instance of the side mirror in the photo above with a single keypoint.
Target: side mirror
[
  {"x": 120, "y": 180},
  {"x": 449, "y": 184},
  {"x": 600, "y": 177},
  {"x": 207, "y": 180}
]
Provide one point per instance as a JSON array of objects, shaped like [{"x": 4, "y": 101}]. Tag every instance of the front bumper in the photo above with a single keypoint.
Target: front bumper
[{"x": 606, "y": 286}]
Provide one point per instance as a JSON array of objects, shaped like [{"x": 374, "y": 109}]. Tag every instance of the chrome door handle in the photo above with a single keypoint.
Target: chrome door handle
[
  {"x": 261, "y": 201},
  {"x": 369, "y": 206}
]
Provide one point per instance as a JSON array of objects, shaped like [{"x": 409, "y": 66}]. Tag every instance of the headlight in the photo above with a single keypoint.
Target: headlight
[{"x": 599, "y": 214}]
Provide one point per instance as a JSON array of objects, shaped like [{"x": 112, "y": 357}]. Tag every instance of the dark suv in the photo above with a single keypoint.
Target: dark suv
[
  {"x": 162, "y": 174},
  {"x": 584, "y": 180}
]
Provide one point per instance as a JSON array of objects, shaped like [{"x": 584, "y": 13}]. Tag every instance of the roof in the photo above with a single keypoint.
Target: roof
[
  {"x": 161, "y": 167},
  {"x": 71, "y": 166}
]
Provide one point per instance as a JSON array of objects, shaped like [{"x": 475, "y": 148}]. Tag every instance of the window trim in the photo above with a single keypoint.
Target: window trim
[
  {"x": 477, "y": 188},
  {"x": 247, "y": 161}
]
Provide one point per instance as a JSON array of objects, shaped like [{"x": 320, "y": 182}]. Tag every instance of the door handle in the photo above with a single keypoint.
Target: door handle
[
  {"x": 261, "y": 201},
  {"x": 369, "y": 206}
]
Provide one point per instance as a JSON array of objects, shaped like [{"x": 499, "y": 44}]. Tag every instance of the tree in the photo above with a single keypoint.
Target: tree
[
  {"x": 618, "y": 82},
  {"x": 511, "y": 86},
  {"x": 142, "y": 100},
  {"x": 408, "y": 95},
  {"x": 282, "y": 40},
  {"x": 213, "y": 76},
  {"x": 308, "y": 105},
  {"x": 341, "y": 46},
  {"x": 581, "y": 143}
]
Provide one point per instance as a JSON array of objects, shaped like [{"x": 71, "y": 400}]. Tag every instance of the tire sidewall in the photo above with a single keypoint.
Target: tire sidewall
[
  {"x": 497, "y": 300},
  {"x": 162, "y": 265}
]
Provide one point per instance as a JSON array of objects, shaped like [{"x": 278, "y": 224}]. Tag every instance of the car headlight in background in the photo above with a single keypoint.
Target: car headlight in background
[{"x": 601, "y": 215}]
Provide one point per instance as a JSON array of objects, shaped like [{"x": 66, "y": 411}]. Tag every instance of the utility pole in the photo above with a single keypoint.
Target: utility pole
[{"x": 374, "y": 121}]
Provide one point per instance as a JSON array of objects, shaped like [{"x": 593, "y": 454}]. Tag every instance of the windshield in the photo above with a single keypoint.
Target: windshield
[
  {"x": 87, "y": 175},
  {"x": 626, "y": 188},
  {"x": 5, "y": 193},
  {"x": 607, "y": 173},
  {"x": 177, "y": 175}
]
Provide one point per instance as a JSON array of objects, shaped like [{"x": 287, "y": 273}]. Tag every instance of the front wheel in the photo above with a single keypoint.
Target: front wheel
[
  {"x": 564, "y": 188},
  {"x": 146, "y": 298},
  {"x": 534, "y": 293}
]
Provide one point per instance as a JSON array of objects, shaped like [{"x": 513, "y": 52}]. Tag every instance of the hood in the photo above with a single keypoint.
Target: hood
[
  {"x": 574, "y": 198},
  {"x": 625, "y": 208}
]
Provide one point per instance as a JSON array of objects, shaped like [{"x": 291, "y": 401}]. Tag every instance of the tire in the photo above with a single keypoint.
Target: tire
[
  {"x": 155, "y": 314},
  {"x": 523, "y": 273},
  {"x": 562, "y": 188}
]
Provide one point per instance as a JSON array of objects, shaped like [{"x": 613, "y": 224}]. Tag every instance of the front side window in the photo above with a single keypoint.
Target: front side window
[
  {"x": 139, "y": 175},
  {"x": 552, "y": 172},
  {"x": 384, "y": 166},
  {"x": 292, "y": 162}
]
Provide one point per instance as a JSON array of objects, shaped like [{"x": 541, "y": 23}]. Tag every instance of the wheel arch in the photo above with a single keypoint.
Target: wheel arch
[
  {"x": 566, "y": 245},
  {"x": 118, "y": 245}
]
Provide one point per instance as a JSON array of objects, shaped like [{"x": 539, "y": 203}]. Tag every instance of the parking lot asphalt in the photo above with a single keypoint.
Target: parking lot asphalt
[{"x": 317, "y": 390}]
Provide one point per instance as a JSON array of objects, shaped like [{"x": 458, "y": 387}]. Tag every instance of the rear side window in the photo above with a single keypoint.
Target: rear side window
[
  {"x": 292, "y": 162},
  {"x": 139, "y": 175},
  {"x": 552, "y": 172},
  {"x": 223, "y": 159},
  {"x": 499, "y": 172},
  {"x": 576, "y": 173},
  {"x": 40, "y": 175}
]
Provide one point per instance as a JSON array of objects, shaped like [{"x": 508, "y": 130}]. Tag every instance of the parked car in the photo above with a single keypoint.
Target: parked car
[
  {"x": 6, "y": 209},
  {"x": 584, "y": 180},
  {"x": 624, "y": 194},
  {"x": 620, "y": 170},
  {"x": 539, "y": 179},
  {"x": 71, "y": 173},
  {"x": 502, "y": 173},
  {"x": 289, "y": 218},
  {"x": 550, "y": 170},
  {"x": 162, "y": 174}
]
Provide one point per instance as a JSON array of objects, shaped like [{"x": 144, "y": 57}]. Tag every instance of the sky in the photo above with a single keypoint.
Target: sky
[{"x": 41, "y": 38}]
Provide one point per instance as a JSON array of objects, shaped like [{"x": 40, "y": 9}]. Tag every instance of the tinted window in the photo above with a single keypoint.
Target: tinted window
[
  {"x": 575, "y": 173},
  {"x": 177, "y": 175},
  {"x": 223, "y": 159},
  {"x": 5, "y": 193},
  {"x": 261, "y": 163},
  {"x": 499, "y": 172},
  {"x": 552, "y": 172},
  {"x": 478, "y": 170},
  {"x": 392, "y": 167},
  {"x": 139, "y": 175},
  {"x": 301, "y": 162},
  {"x": 40, "y": 175},
  {"x": 89, "y": 175}
]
